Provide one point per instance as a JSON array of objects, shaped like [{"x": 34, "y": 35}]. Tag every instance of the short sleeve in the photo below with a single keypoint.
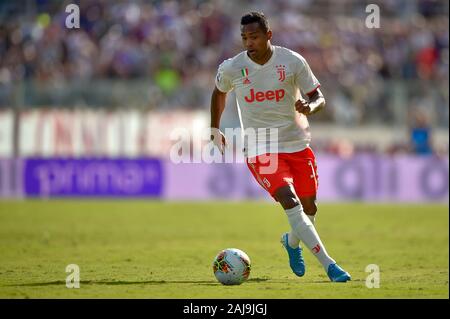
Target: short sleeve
[
  {"x": 223, "y": 79},
  {"x": 304, "y": 77}
]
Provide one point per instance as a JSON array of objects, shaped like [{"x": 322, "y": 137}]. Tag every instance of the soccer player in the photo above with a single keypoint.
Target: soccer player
[{"x": 267, "y": 80}]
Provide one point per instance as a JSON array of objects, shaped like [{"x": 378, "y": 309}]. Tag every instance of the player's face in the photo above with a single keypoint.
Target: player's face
[{"x": 255, "y": 40}]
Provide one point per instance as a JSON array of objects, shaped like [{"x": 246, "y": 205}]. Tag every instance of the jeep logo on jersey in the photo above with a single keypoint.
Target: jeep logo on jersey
[{"x": 270, "y": 95}]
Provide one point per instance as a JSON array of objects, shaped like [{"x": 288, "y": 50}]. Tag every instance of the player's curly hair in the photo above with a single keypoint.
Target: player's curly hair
[{"x": 258, "y": 17}]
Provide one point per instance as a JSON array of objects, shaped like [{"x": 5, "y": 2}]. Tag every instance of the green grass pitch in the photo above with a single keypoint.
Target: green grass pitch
[{"x": 153, "y": 249}]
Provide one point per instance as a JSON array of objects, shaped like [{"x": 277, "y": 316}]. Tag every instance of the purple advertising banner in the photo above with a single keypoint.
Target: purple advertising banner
[
  {"x": 376, "y": 178},
  {"x": 92, "y": 178},
  {"x": 359, "y": 178},
  {"x": 11, "y": 178}
]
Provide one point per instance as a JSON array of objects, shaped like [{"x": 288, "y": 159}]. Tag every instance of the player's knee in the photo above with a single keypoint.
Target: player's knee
[
  {"x": 286, "y": 197},
  {"x": 310, "y": 209},
  {"x": 288, "y": 202}
]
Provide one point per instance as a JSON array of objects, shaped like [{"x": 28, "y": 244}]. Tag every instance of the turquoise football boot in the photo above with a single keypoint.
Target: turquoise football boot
[
  {"x": 295, "y": 256},
  {"x": 337, "y": 274}
]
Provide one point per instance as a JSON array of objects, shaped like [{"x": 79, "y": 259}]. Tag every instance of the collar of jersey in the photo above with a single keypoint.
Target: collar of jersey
[{"x": 259, "y": 66}]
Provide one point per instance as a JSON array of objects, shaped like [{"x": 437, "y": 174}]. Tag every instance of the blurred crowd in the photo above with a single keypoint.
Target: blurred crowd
[{"x": 164, "y": 54}]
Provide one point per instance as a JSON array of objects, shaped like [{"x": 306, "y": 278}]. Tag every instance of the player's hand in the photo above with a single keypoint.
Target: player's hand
[
  {"x": 219, "y": 140},
  {"x": 302, "y": 106}
]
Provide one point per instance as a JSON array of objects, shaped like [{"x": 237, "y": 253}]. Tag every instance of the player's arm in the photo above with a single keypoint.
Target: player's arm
[
  {"x": 218, "y": 100},
  {"x": 315, "y": 103}
]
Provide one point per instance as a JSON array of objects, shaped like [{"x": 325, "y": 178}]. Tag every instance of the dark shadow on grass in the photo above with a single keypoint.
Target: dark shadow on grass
[
  {"x": 303, "y": 281},
  {"x": 123, "y": 282},
  {"x": 325, "y": 281}
]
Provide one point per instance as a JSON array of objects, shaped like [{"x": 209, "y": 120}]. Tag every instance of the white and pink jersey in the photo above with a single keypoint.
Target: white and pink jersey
[{"x": 266, "y": 96}]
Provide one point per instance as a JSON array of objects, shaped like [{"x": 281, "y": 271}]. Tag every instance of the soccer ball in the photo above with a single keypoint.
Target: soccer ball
[{"x": 231, "y": 266}]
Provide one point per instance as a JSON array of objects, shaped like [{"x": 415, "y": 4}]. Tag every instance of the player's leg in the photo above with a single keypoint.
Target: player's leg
[
  {"x": 304, "y": 229},
  {"x": 303, "y": 166},
  {"x": 279, "y": 185},
  {"x": 280, "y": 181},
  {"x": 310, "y": 209},
  {"x": 305, "y": 179},
  {"x": 301, "y": 225},
  {"x": 286, "y": 196}
]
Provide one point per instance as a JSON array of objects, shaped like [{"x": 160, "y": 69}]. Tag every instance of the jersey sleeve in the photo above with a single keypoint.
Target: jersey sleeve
[
  {"x": 223, "y": 78},
  {"x": 304, "y": 77}
]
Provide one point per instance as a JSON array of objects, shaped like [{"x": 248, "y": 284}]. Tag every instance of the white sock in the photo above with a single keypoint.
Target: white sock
[
  {"x": 293, "y": 241},
  {"x": 303, "y": 229}
]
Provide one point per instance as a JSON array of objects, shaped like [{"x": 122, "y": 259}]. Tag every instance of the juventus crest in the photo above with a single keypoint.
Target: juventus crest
[{"x": 281, "y": 70}]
